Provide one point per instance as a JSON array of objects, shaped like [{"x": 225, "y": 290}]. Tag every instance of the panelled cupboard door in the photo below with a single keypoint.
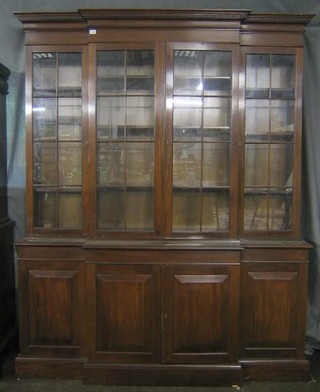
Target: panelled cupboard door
[
  {"x": 51, "y": 308},
  {"x": 271, "y": 322},
  {"x": 124, "y": 313},
  {"x": 201, "y": 314}
]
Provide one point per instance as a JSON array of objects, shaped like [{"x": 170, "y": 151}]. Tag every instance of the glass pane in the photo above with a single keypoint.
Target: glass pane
[
  {"x": 258, "y": 76},
  {"x": 140, "y": 164},
  {"x": 69, "y": 74},
  {"x": 70, "y": 210},
  {"x": 217, "y": 73},
  {"x": 140, "y": 117},
  {"x": 110, "y": 164},
  {"x": 280, "y": 211},
  {"x": 257, "y": 120},
  {"x": 188, "y": 72},
  {"x": 186, "y": 207},
  {"x": 255, "y": 212},
  {"x": 110, "y": 209},
  {"x": 216, "y": 162},
  {"x": 187, "y": 134},
  {"x": 281, "y": 165},
  {"x": 140, "y": 65},
  {"x": 187, "y": 164},
  {"x": 110, "y": 72},
  {"x": 70, "y": 163},
  {"x": 257, "y": 165},
  {"x": 216, "y": 116},
  {"x": 283, "y": 76},
  {"x": 45, "y": 163},
  {"x": 140, "y": 210},
  {"x": 45, "y": 209},
  {"x": 44, "y": 74},
  {"x": 110, "y": 118},
  {"x": 282, "y": 120},
  {"x": 187, "y": 118},
  {"x": 215, "y": 211},
  {"x": 69, "y": 117},
  {"x": 44, "y": 118}
]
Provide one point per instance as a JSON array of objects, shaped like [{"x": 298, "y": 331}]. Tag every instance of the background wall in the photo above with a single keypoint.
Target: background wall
[{"x": 12, "y": 56}]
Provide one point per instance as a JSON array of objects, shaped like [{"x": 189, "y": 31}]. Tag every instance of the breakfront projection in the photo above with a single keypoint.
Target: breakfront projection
[{"x": 163, "y": 197}]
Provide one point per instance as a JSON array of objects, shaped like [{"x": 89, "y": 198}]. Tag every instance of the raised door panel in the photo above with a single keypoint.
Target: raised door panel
[
  {"x": 52, "y": 308},
  {"x": 125, "y": 308},
  {"x": 271, "y": 310},
  {"x": 201, "y": 314}
]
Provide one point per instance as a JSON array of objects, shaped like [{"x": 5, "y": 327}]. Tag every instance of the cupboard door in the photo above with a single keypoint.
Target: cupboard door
[
  {"x": 273, "y": 309},
  {"x": 124, "y": 313},
  {"x": 201, "y": 314},
  {"x": 51, "y": 308}
]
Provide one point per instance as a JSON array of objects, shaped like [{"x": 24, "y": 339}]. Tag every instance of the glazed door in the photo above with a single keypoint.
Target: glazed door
[
  {"x": 202, "y": 85},
  {"x": 56, "y": 134},
  {"x": 272, "y": 141},
  {"x": 127, "y": 169}
]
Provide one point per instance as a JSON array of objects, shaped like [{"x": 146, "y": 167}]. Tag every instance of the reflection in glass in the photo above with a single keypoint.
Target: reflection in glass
[
  {"x": 140, "y": 210},
  {"x": 282, "y": 120},
  {"x": 44, "y": 118},
  {"x": 281, "y": 165},
  {"x": 70, "y": 163},
  {"x": 140, "y": 117},
  {"x": 283, "y": 76},
  {"x": 140, "y": 157},
  {"x": 110, "y": 209},
  {"x": 110, "y": 117},
  {"x": 255, "y": 212},
  {"x": 271, "y": 211},
  {"x": 216, "y": 161},
  {"x": 44, "y": 74},
  {"x": 69, "y": 74},
  {"x": 69, "y": 117},
  {"x": 70, "y": 210},
  {"x": 280, "y": 207},
  {"x": 257, "y": 120},
  {"x": 186, "y": 210},
  {"x": 110, "y": 164},
  {"x": 187, "y": 164},
  {"x": 215, "y": 211},
  {"x": 45, "y": 163},
  {"x": 216, "y": 113},
  {"x": 256, "y": 165},
  {"x": 202, "y": 72},
  {"x": 45, "y": 208},
  {"x": 258, "y": 75},
  {"x": 110, "y": 72}
]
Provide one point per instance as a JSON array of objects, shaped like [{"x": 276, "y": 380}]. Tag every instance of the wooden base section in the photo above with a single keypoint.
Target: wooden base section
[
  {"x": 66, "y": 368},
  {"x": 162, "y": 375},
  {"x": 275, "y": 370}
]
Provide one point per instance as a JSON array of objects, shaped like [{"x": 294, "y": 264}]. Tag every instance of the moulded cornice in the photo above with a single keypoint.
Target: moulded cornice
[
  {"x": 279, "y": 18},
  {"x": 181, "y": 14},
  {"x": 242, "y": 15}
]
